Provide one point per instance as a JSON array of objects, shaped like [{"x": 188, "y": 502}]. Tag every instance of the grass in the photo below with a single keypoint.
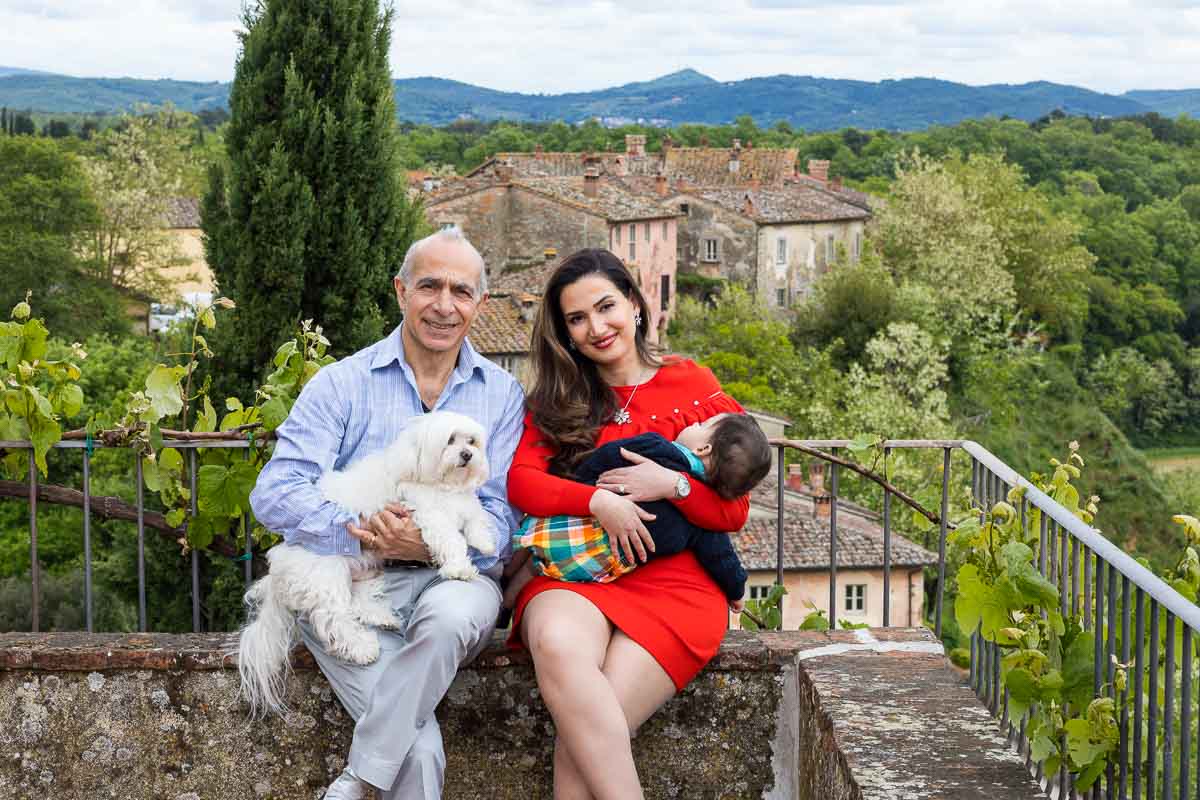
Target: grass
[{"x": 1173, "y": 459}]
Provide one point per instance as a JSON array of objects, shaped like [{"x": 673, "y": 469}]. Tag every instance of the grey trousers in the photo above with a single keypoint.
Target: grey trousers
[{"x": 397, "y": 744}]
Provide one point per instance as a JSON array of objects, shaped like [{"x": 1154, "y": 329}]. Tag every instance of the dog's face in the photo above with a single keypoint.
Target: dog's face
[{"x": 450, "y": 450}]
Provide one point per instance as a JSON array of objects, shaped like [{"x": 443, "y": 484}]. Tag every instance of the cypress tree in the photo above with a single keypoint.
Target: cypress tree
[{"x": 309, "y": 219}]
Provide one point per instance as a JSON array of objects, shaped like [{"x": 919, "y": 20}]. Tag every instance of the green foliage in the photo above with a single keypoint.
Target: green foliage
[
  {"x": 309, "y": 218},
  {"x": 767, "y": 613},
  {"x": 849, "y": 305}
]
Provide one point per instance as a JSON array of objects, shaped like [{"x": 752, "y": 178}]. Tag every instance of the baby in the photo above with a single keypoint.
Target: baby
[{"x": 729, "y": 452}]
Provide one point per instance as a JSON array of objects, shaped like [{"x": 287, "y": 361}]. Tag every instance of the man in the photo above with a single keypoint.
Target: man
[{"x": 350, "y": 409}]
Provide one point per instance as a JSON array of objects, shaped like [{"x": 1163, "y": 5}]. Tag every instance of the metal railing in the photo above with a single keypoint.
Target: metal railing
[
  {"x": 1068, "y": 546},
  {"x": 86, "y": 447},
  {"x": 1069, "y": 550}
]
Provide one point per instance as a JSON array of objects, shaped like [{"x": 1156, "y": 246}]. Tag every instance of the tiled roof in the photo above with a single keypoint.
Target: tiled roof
[
  {"x": 561, "y": 165},
  {"x": 454, "y": 188},
  {"x": 788, "y": 203},
  {"x": 183, "y": 212},
  {"x": 613, "y": 201},
  {"x": 709, "y": 166},
  {"x": 530, "y": 280},
  {"x": 499, "y": 328},
  {"x": 806, "y": 544},
  {"x": 843, "y": 193}
]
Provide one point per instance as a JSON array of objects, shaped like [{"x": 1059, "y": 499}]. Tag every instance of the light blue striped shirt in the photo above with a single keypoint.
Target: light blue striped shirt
[{"x": 359, "y": 405}]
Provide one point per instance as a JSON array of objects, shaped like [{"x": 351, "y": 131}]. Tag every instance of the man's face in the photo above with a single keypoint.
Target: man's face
[{"x": 442, "y": 297}]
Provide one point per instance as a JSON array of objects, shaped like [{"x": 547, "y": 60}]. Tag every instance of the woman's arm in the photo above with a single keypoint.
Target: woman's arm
[{"x": 531, "y": 487}]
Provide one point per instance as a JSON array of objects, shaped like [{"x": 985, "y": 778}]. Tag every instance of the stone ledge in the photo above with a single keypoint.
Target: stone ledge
[{"x": 837, "y": 716}]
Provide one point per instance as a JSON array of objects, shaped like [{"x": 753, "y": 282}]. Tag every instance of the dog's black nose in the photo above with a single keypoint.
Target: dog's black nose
[{"x": 465, "y": 455}]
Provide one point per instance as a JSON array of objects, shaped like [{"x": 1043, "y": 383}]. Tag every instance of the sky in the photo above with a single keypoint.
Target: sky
[{"x": 551, "y": 47}]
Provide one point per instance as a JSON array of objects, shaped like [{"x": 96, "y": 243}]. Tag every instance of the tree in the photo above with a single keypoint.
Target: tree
[
  {"x": 309, "y": 219},
  {"x": 135, "y": 178},
  {"x": 45, "y": 209}
]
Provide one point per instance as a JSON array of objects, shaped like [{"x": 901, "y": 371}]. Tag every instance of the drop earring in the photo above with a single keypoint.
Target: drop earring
[{"x": 637, "y": 319}]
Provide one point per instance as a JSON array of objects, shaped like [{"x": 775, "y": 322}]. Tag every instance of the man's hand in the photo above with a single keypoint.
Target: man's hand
[{"x": 391, "y": 533}]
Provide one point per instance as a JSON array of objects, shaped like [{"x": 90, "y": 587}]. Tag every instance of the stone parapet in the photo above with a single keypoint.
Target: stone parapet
[{"x": 835, "y": 716}]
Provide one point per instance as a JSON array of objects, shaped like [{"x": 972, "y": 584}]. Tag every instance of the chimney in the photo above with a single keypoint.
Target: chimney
[
  {"x": 704, "y": 141},
  {"x": 795, "y": 477},
  {"x": 660, "y": 185},
  {"x": 527, "y": 304},
  {"x": 816, "y": 477},
  {"x": 835, "y": 183},
  {"x": 591, "y": 182},
  {"x": 635, "y": 145},
  {"x": 539, "y": 151},
  {"x": 549, "y": 254},
  {"x": 667, "y": 143},
  {"x": 504, "y": 171},
  {"x": 737, "y": 144},
  {"x": 818, "y": 169},
  {"x": 749, "y": 145},
  {"x": 821, "y": 505}
]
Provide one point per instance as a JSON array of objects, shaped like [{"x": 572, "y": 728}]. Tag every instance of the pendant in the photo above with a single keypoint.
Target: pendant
[{"x": 621, "y": 417}]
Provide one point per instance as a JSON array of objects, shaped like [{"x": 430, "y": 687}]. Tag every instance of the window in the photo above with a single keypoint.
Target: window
[
  {"x": 666, "y": 292},
  {"x": 829, "y": 249},
  {"x": 856, "y": 597},
  {"x": 617, "y": 234},
  {"x": 760, "y": 592},
  {"x": 683, "y": 207},
  {"x": 646, "y": 230},
  {"x": 632, "y": 251},
  {"x": 781, "y": 250},
  {"x": 858, "y": 245},
  {"x": 781, "y": 297},
  {"x": 665, "y": 231},
  {"x": 632, "y": 233},
  {"x": 710, "y": 250}
]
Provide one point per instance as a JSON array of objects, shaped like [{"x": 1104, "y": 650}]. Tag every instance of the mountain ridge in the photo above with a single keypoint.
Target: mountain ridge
[{"x": 680, "y": 97}]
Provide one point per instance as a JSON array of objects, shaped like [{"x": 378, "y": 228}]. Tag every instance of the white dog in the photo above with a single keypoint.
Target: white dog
[{"x": 433, "y": 468}]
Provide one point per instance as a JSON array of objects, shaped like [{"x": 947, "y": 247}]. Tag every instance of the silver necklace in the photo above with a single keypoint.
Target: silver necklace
[{"x": 622, "y": 416}]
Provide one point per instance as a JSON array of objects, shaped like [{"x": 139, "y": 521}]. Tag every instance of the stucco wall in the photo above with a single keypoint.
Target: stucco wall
[
  {"x": 813, "y": 587},
  {"x": 806, "y": 257},
  {"x": 737, "y": 258}
]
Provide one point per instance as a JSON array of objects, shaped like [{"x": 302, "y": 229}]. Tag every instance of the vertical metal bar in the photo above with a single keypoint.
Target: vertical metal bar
[
  {"x": 87, "y": 540},
  {"x": 1169, "y": 708},
  {"x": 1063, "y": 567},
  {"x": 942, "y": 540},
  {"x": 781, "y": 474},
  {"x": 1097, "y": 666},
  {"x": 1140, "y": 639},
  {"x": 887, "y": 545},
  {"x": 1124, "y": 699},
  {"x": 975, "y": 498},
  {"x": 1087, "y": 588},
  {"x": 195, "y": 555},
  {"x": 996, "y": 679},
  {"x": 35, "y": 578},
  {"x": 247, "y": 565},
  {"x": 833, "y": 509},
  {"x": 974, "y": 664},
  {"x": 141, "y": 543},
  {"x": 1042, "y": 546},
  {"x": 1110, "y": 649},
  {"x": 1152, "y": 726},
  {"x": 1185, "y": 713},
  {"x": 1052, "y": 545},
  {"x": 1074, "y": 576}
]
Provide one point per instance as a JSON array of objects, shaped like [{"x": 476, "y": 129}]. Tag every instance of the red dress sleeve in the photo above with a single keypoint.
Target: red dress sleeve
[{"x": 533, "y": 489}]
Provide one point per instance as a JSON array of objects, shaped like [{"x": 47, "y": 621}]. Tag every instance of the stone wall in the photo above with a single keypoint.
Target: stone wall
[{"x": 737, "y": 256}]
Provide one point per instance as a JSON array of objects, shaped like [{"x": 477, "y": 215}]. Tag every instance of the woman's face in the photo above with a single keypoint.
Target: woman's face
[{"x": 599, "y": 319}]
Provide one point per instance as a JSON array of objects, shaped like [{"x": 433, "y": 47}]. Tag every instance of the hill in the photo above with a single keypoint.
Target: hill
[{"x": 681, "y": 97}]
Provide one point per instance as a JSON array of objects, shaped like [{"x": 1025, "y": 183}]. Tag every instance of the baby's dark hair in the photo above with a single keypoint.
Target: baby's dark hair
[{"x": 741, "y": 456}]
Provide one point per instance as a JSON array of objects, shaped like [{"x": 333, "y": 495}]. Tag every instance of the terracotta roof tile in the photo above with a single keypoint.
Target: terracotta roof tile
[
  {"x": 613, "y": 201},
  {"x": 530, "y": 280},
  {"x": 499, "y": 327},
  {"x": 788, "y": 203}
]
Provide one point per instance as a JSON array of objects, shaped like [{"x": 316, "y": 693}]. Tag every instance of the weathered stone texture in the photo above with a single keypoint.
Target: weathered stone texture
[{"x": 797, "y": 715}]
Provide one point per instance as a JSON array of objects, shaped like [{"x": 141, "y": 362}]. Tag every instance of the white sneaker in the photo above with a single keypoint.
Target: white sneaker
[{"x": 348, "y": 786}]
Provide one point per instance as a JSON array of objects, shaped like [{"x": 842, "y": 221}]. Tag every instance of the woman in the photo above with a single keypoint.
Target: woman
[{"x": 608, "y": 655}]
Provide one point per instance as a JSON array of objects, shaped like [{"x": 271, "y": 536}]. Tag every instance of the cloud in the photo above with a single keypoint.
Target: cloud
[{"x": 554, "y": 47}]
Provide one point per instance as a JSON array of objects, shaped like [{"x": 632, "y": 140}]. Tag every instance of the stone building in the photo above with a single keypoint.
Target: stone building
[
  {"x": 190, "y": 273},
  {"x": 501, "y": 332},
  {"x": 521, "y": 223}
]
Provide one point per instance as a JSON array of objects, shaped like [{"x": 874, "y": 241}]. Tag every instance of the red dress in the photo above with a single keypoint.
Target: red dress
[{"x": 669, "y": 606}]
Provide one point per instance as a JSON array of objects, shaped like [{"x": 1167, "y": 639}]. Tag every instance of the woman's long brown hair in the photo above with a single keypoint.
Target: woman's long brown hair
[{"x": 569, "y": 401}]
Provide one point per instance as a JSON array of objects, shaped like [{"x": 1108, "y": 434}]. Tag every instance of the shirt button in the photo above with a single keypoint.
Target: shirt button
[
  {"x": 420, "y": 723},
  {"x": 677, "y": 411},
  {"x": 695, "y": 402},
  {"x": 653, "y": 416}
]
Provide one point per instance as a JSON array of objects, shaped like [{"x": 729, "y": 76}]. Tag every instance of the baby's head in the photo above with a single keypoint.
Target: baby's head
[{"x": 734, "y": 451}]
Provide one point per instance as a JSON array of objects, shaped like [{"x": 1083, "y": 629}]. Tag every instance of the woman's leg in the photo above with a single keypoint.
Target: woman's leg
[
  {"x": 568, "y": 638},
  {"x": 568, "y": 782},
  {"x": 639, "y": 682}
]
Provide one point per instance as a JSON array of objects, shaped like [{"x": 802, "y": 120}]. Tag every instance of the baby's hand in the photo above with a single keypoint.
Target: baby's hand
[{"x": 737, "y": 605}]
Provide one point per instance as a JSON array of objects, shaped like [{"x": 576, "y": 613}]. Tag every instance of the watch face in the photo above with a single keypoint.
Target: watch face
[{"x": 682, "y": 487}]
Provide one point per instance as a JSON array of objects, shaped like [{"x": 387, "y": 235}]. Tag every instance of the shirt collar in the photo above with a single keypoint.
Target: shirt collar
[
  {"x": 695, "y": 465},
  {"x": 391, "y": 351}
]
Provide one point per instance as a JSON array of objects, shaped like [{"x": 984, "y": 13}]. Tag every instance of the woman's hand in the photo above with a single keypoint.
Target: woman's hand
[
  {"x": 625, "y": 523},
  {"x": 737, "y": 606},
  {"x": 391, "y": 533},
  {"x": 642, "y": 482}
]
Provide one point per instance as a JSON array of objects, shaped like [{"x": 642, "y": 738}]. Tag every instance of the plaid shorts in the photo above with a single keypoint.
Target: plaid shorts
[{"x": 573, "y": 549}]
